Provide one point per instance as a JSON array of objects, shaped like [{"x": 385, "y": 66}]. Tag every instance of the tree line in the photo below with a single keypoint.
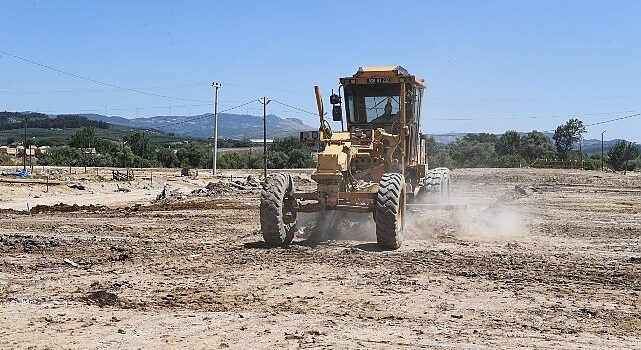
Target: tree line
[
  {"x": 15, "y": 120},
  {"x": 136, "y": 150},
  {"x": 512, "y": 149}
]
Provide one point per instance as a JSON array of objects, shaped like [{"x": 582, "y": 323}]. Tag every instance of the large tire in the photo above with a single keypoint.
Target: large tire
[
  {"x": 276, "y": 219},
  {"x": 438, "y": 184},
  {"x": 389, "y": 211}
]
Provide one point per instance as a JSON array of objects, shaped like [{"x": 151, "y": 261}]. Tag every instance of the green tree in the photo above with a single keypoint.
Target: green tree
[
  {"x": 470, "y": 153},
  {"x": 123, "y": 157},
  {"x": 441, "y": 158},
  {"x": 239, "y": 161},
  {"x": 300, "y": 158},
  {"x": 105, "y": 146},
  {"x": 431, "y": 147},
  {"x": 285, "y": 145},
  {"x": 277, "y": 160},
  {"x": 289, "y": 152},
  {"x": 94, "y": 160},
  {"x": 621, "y": 153},
  {"x": 232, "y": 161},
  {"x": 194, "y": 155},
  {"x": 83, "y": 138},
  {"x": 62, "y": 155},
  {"x": 567, "y": 135},
  {"x": 140, "y": 144},
  {"x": 480, "y": 137},
  {"x": 254, "y": 161},
  {"x": 536, "y": 145},
  {"x": 508, "y": 144},
  {"x": 167, "y": 158},
  {"x": 5, "y": 159}
]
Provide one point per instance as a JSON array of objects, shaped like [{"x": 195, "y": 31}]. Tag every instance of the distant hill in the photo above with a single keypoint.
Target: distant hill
[
  {"x": 55, "y": 130},
  {"x": 592, "y": 146},
  {"x": 16, "y": 120},
  {"x": 232, "y": 126},
  {"x": 444, "y": 139}
]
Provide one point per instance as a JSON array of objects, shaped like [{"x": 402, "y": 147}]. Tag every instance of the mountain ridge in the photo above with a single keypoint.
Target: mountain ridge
[{"x": 233, "y": 126}]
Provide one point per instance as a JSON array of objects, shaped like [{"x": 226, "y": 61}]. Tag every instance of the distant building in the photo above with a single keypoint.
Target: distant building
[
  {"x": 19, "y": 150},
  {"x": 259, "y": 142},
  {"x": 88, "y": 150}
]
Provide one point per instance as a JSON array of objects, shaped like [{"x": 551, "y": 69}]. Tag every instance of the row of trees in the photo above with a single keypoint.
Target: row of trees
[
  {"x": 14, "y": 120},
  {"x": 136, "y": 150},
  {"x": 489, "y": 150},
  {"x": 513, "y": 149},
  {"x": 510, "y": 149}
]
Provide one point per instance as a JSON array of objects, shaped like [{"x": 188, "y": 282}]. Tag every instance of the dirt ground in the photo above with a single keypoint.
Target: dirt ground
[{"x": 529, "y": 259}]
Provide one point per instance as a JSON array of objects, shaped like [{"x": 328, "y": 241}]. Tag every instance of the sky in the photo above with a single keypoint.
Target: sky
[{"x": 491, "y": 66}]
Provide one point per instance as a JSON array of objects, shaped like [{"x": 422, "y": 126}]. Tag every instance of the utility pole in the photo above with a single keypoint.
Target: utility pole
[
  {"x": 581, "y": 148},
  {"x": 124, "y": 157},
  {"x": 602, "y": 149},
  {"x": 90, "y": 155},
  {"x": 264, "y": 101},
  {"x": 24, "y": 145},
  {"x": 144, "y": 145},
  {"x": 216, "y": 87}
]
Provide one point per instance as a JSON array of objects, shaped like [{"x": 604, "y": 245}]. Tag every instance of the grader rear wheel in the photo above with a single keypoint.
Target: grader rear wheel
[
  {"x": 438, "y": 184},
  {"x": 389, "y": 211},
  {"x": 277, "y": 221}
]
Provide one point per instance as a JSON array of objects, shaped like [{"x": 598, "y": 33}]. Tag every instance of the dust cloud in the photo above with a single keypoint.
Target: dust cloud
[
  {"x": 336, "y": 225},
  {"x": 496, "y": 222},
  {"x": 469, "y": 215},
  {"x": 474, "y": 215}
]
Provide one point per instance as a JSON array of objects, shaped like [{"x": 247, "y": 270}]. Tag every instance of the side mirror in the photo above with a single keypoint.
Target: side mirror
[{"x": 337, "y": 113}]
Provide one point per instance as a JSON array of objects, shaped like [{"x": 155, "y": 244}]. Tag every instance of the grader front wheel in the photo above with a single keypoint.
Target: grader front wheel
[
  {"x": 389, "y": 211},
  {"x": 277, "y": 221}
]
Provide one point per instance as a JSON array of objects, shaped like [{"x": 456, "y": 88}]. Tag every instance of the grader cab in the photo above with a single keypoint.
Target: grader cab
[{"x": 377, "y": 164}]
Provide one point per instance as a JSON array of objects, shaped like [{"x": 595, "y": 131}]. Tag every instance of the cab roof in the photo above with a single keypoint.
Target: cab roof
[
  {"x": 398, "y": 70},
  {"x": 394, "y": 72}
]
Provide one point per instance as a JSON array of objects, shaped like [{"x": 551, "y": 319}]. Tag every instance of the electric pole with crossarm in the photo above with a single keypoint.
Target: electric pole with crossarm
[
  {"x": 264, "y": 101},
  {"x": 216, "y": 86}
]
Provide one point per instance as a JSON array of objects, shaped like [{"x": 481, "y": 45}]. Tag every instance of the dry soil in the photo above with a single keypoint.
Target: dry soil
[{"x": 529, "y": 259}]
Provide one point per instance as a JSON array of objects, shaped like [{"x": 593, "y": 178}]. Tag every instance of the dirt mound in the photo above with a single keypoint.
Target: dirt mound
[
  {"x": 66, "y": 208},
  {"x": 249, "y": 185},
  {"x": 101, "y": 298},
  {"x": 200, "y": 204}
]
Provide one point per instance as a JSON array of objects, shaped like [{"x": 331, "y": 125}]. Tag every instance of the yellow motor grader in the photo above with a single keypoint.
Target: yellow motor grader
[{"x": 378, "y": 164}]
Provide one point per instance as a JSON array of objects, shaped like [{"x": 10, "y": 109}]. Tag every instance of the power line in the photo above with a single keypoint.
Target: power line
[
  {"x": 18, "y": 92},
  {"x": 148, "y": 107},
  {"x": 533, "y": 117},
  {"x": 262, "y": 88},
  {"x": 296, "y": 108},
  {"x": 189, "y": 106},
  {"x": 79, "y": 76},
  {"x": 615, "y": 119},
  {"x": 235, "y": 107},
  {"x": 608, "y": 121},
  {"x": 495, "y": 118},
  {"x": 159, "y": 107}
]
